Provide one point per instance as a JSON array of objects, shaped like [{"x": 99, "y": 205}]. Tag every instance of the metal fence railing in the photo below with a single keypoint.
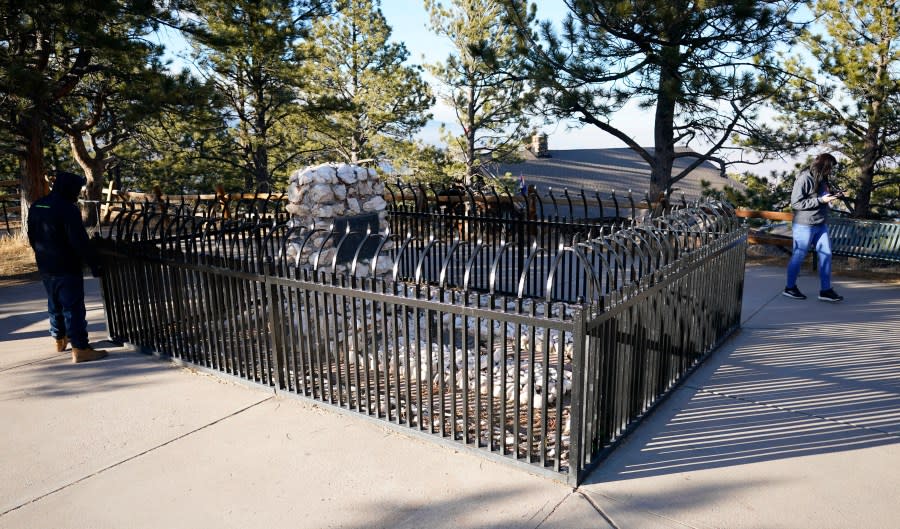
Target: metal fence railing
[{"x": 545, "y": 359}]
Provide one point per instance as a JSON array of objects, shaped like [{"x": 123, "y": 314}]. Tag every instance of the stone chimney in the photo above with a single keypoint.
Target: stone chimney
[{"x": 539, "y": 145}]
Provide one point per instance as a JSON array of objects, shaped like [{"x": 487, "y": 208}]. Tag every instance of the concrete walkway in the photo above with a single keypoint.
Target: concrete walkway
[{"x": 794, "y": 423}]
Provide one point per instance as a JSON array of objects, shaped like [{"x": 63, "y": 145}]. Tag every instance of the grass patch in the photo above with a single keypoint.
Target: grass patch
[{"x": 16, "y": 260}]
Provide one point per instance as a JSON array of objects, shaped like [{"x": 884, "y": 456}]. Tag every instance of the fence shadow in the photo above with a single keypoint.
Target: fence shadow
[{"x": 778, "y": 391}]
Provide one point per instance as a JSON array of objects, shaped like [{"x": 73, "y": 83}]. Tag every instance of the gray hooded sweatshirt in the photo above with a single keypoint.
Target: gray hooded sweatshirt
[{"x": 808, "y": 208}]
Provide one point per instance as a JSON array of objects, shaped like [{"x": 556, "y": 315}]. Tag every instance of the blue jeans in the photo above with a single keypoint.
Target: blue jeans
[
  {"x": 806, "y": 237},
  {"x": 65, "y": 303}
]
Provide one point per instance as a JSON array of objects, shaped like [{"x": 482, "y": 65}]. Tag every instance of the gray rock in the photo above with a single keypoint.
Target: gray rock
[
  {"x": 320, "y": 193},
  {"x": 375, "y": 203},
  {"x": 346, "y": 174},
  {"x": 325, "y": 174},
  {"x": 324, "y": 212}
]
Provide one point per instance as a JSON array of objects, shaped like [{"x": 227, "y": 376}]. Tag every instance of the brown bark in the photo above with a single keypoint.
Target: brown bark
[
  {"x": 94, "y": 170},
  {"x": 863, "y": 200},
  {"x": 34, "y": 182},
  {"x": 470, "y": 138},
  {"x": 663, "y": 130}
]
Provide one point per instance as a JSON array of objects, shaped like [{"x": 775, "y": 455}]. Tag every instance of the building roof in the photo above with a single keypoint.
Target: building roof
[{"x": 619, "y": 169}]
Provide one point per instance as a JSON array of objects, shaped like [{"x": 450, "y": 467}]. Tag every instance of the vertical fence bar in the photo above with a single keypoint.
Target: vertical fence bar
[{"x": 577, "y": 424}]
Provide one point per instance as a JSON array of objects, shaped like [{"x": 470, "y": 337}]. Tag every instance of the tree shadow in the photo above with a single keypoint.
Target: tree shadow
[
  {"x": 58, "y": 377},
  {"x": 11, "y": 326},
  {"x": 468, "y": 511}
]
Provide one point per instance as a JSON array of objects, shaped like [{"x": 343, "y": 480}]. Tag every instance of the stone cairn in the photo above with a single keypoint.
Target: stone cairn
[{"x": 322, "y": 194}]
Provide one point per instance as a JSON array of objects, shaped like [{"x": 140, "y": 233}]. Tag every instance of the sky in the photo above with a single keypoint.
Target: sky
[{"x": 409, "y": 22}]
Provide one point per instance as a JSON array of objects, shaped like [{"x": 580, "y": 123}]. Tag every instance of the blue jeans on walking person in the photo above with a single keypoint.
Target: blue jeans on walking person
[
  {"x": 65, "y": 303},
  {"x": 805, "y": 238}
]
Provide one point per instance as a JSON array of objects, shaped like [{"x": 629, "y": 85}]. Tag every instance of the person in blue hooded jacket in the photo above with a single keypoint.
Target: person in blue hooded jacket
[{"x": 62, "y": 249}]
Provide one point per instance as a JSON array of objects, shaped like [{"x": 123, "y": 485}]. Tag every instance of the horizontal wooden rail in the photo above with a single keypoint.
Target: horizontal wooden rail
[
  {"x": 768, "y": 215},
  {"x": 776, "y": 240}
]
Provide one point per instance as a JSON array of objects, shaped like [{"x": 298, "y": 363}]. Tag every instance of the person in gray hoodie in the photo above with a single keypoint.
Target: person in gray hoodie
[{"x": 810, "y": 201}]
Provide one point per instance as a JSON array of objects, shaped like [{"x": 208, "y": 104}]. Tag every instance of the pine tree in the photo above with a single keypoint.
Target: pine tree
[
  {"x": 109, "y": 108},
  {"x": 363, "y": 98},
  {"x": 696, "y": 63},
  {"x": 249, "y": 50},
  {"x": 482, "y": 81},
  {"x": 49, "y": 52},
  {"x": 184, "y": 149},
  {"x": 844, "y": 95}
]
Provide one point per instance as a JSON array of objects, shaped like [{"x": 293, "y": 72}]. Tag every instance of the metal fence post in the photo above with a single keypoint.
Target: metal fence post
[
  {"x": 273, "y": 307},
  {"x": 576, "y": 412}
]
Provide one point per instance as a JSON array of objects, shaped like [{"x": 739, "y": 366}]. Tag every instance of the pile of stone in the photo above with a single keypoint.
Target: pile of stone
[{"x": 322, "y": 194}]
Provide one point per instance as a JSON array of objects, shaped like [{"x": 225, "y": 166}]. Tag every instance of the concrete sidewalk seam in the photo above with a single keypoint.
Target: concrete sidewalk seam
[
  {"x": 135, "y": 456},
  {"x": 52, "y": 357},
  {"x": 553, "y": 510},
  {"x": 797, "y": 412},
  {"x": 651, "y": 513},
  {"x": 599, "y": 510},
  {"x": 761, "y": 307}
]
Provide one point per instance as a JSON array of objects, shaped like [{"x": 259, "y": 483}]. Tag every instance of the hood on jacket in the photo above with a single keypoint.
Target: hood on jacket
[{"x": 68, "y": 185}]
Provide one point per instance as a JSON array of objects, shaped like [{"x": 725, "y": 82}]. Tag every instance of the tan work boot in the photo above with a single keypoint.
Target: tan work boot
[
  {"x": 61, "y": 344},
  {"x": 87, "y": 354}
]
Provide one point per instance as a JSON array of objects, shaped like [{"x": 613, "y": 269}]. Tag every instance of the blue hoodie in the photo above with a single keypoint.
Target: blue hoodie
[{"x": 61, "y": 244}]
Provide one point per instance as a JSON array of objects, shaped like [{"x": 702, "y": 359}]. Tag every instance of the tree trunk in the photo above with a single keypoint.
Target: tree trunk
[
  {"x": 663, "y": 130},
  {"x": 469, "y": 131},
  {"x": 863, "y": 200},
  {"x": 34, "y": 184},
  {"x": 261, "y": 163},
  {"x": 94, "y": 170}
]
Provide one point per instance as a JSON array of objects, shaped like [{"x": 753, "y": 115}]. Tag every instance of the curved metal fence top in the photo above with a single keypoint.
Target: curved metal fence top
[
  {"x": 595, "y": 264},
  {"x": 553, "y": 203}
]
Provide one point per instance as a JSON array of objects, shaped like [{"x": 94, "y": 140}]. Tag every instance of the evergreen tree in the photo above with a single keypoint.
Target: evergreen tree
[
  {"x": 249, "y": 50},
  {"x": 697, "y": 63},
  {"x": 363, "y": 98},
  {"x": 844, "y": 96},
  {"x": 185, "y": 149},
  {"x": 482, "y": 81},
  {"x": 48, "y": 52},
  {"x": 108, "y": 108}
]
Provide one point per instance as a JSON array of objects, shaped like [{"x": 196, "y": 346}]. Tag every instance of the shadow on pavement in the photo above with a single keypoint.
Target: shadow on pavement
[
  {"x": 57, "y": 376},
  {"x": 453, "y": 512},
  {"x": 798, "y": 380}
]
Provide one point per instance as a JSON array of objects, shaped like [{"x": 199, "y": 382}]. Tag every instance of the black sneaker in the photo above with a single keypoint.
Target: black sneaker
[
  {"x": 830, "y": 295},
  {"x": 794, "y": 293}
]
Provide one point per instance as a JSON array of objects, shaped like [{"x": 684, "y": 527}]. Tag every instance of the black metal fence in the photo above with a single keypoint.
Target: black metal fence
[
  {"x": 605, "y": 207},
  {"x": 539, "y": 351}
]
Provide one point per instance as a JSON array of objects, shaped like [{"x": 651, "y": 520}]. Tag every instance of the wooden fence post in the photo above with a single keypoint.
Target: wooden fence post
[{"x": 222, "y": 199}]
